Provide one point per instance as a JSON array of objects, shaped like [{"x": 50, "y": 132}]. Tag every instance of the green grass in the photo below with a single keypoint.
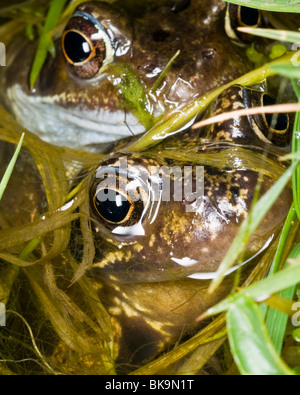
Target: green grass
[
  {"x": 45, "y": 44},
  {"x": 271, "y": 5},
  {"x": 9, "y": 170}
]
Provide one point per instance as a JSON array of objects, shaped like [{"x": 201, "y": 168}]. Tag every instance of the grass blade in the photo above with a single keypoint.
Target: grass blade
[
  {"x": 281, "y": 35},
  {"x": 163, "y": 73},
  {"x": 276, "y": 321},
  {"x": 290, "y": 220},
  {"x": 296, "y": 149},
  {"x": 10, "y": 167},
  {"x": 270, "y": 5},
  {"x": 263, "y": 289},
  {"x": 289, "y": 71},
  {"x": 45, "y": 41},
  {"x": 249, "y": 341}
]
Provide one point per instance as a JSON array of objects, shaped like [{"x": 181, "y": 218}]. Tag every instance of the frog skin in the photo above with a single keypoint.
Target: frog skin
[
  {"x": 76, "y": 100},
  {"x": 153, "y": 261}
]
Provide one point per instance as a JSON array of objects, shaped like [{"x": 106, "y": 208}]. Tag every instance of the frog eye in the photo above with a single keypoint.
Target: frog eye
[
  {"x": 241, "y": 16},
  {"x": 86, "y": 46},
  {"x": 268, "y": 127},
  {"x": 112, "y": 206},
  {"x": 118, "y": 200}
]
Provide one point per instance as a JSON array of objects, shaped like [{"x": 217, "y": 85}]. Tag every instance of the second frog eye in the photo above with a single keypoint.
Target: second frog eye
[
  {"x": 268, "y": 127},
  {"x": 112, "y": 205},
  {"x": 86, "y": 46},
  {"x": 119, "y": 198},
  {"x": 241, "y": 16}
]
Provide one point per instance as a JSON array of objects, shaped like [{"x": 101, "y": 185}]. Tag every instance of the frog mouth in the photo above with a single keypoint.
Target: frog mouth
[{"x": 79, "y": 128}]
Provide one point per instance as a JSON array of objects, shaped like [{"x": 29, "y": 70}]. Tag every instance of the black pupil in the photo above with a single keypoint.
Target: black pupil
[
  {"x": 111, "y": 205},
  {"x": 281, "y": 119},
  {"x": 76, "y": 46},
  {"x": 249, "y": 16}
]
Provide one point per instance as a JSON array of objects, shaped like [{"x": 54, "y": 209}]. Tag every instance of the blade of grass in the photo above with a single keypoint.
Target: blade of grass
[
  {"x": 249, "y": 341},
  {"x": 281, "y": 35},
  {"x": 45, "y": 41},
  {"x": 10, "y": 167},
  {"x": 163, "y": 73},
  {"x": 261, "y": 289},
  {"x": 288, "y": 107},
  {"x": 270, "y": 5},
  {"x": 296, "y": 149},
  {"x": 256, "y": 215},
  {"x": 289, "y": 71},
  {"x": 290, "y": 220},
  {"x": 276, "y": 321},
  {"x": 12, "y": 272}
]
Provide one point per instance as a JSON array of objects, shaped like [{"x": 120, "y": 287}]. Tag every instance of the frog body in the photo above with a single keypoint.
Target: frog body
[
  {"x": 154, "y": 258},
  {"x": 78, "y": 100},
  {"x": 154, "y": 261}
]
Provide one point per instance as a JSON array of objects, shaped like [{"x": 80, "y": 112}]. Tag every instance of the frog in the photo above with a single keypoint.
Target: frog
[
  {"x": 155, "y": 256},
  {"x": 78, "y": 99}
]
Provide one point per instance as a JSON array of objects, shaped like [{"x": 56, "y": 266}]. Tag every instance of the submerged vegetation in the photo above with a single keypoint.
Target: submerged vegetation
[{"x": 251, "y": 330}]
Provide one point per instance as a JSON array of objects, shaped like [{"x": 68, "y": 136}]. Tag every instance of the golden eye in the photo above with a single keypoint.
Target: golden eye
[
  {"x": 86, "y": 46},
  {"x": 268, "y": 127},
  {"x": 112, "y": 206},
  {"x": 241, "y": 16},
  {"x": 118, "y": 199}
]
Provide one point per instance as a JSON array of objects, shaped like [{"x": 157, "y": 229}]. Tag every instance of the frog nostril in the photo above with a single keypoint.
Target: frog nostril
[
  {"x": 208, "y": 54},
  {"x": 179, "y": 5}
]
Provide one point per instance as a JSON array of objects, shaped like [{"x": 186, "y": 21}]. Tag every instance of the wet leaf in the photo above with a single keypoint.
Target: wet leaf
[
  {"x": 276, "y": 321},
  {"x": 249, "y": 341},
  {"x": 262, "y": 289}
]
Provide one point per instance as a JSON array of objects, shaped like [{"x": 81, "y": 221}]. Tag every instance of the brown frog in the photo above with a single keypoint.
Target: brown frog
[
  {"x": 100, "y": 84},
  {"x": 155, "y": 253}
]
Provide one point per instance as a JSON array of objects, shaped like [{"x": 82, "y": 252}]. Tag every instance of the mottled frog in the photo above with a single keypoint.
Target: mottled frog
[
  {"x": 157, "y": 243},
  {"x": 155, "y": 253}
]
